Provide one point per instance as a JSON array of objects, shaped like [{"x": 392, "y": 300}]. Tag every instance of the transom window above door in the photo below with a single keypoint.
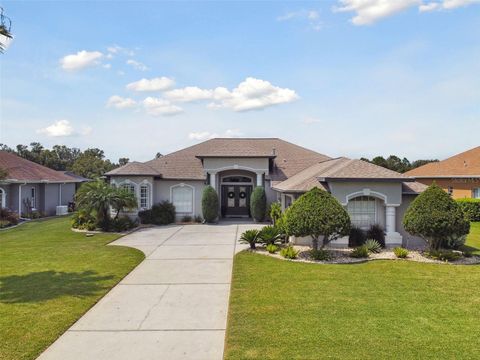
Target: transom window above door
[
  {"x": 362, "y": 211},
  {"x": 237, "y": 179}
]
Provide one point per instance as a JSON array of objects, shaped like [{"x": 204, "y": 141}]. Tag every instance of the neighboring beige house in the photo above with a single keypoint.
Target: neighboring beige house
[
  {"x": 458, "y": 175},
  {"x": 30, "y": 183},
  {"x": 234, "y": 167}
]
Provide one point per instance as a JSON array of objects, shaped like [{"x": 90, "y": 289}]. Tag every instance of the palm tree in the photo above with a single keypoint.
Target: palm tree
[{"x": 98, "y": 197}]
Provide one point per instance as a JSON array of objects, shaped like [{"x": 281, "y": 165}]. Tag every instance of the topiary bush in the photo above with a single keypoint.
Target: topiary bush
[
  {"x": 317, "y": 213},
  {"x": 435, "y": 216},
  {"x": 210, "y": 204},
  {"x": 258, "y": 204},
  {"x": 376, "y": 233},
  {"x": 471, "y": 208}
]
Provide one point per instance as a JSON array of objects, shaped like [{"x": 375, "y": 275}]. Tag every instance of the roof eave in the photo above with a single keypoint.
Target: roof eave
[
  {"x": 340, "y": 179},
  {"x": 235, "y": 156}
]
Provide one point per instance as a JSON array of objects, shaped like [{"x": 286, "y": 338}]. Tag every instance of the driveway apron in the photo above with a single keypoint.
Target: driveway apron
[{"x": 171, "y": 306}]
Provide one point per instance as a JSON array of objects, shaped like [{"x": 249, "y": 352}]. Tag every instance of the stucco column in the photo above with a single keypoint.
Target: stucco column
[
  {"x": 213, "y": 176},
  {"x": 260, "y": 178},
  {"x": 390, "y": 218}
]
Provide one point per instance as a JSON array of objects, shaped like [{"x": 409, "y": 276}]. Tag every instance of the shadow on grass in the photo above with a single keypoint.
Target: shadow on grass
[{"x": 47, "y": 285}]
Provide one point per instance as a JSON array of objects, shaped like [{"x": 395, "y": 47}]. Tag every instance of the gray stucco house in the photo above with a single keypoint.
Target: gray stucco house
[
  {"x": 30, "y": 183},
  {"x": 234, "y": 167}
]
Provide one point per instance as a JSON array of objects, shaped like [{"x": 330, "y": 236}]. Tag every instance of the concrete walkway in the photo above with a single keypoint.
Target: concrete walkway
[{"x": 171, "y": 306}]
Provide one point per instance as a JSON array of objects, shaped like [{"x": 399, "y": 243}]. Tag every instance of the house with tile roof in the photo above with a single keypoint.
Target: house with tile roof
[
  {"x": 31, "y": 186},
  {"x": 235, "y": 166},
  {"x": 459, "y": 175}
]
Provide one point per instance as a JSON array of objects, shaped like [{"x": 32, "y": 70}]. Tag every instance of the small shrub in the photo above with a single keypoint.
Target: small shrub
[
  {"x": 163, "y": 213},
  {"x": 289, "y": 252},
  {"x": 373, "y": 246},
  {"x": 187, "y": 219},
  {"x": 360, "y": 252},
  {"x": 272, "y": 248},
  {"x": 145, "y": 216},
  {"x": 467, "y": 254},
  {"x": 471, "y": 208},
  {"x": 275, "y": 212},
  {"x": 400, "y": 252},
  {"x": 443, "y": 255},
  {"x": 455, "y": 241},
  {"x": 357, "y": 237},
  {"x": 84, "y": 220},
  {"x": 377, "y": 233},
  {"x": 8, "y": 217},
  {"x": 250, "y": 237},
  {"x": 320, "y": 254},
  {"x": 210, "y": 204},
  {"x": 198, "y": 219},
  {"x": 269, "y": 235},
  {"x": 258, "y": 204},
  {"x": 122, "y": 223}
]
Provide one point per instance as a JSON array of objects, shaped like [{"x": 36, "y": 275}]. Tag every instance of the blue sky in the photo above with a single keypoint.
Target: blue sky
[{"x": 353, "y": 77}]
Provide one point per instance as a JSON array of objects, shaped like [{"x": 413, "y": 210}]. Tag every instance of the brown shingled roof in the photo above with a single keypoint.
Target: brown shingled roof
[
  {"x": 185, "y": 164},
  {"x": 22, "y": 169},
  {"x": 134, "y": 168},
  {"x": 463, "y": 164},
  {"x": 337, "y": 169}
]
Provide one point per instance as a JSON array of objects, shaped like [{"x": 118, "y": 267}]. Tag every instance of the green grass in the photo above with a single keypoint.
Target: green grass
[
  {"x": 49, "y": 277},
  {"x": 473, "y": 240},
  {"x": 375, "y": 310}
]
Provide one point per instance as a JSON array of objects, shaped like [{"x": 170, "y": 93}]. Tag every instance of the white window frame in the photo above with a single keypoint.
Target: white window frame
[
  {"x": 476, "y": 193},
  {"x": 182, "y": 185},
  {"x": 33, "y": 195},
  {"x": 148, "y": 200},
  {"x": 3, "y": 198},
  {"x": 360, "y": 211},
  {"x": 127, "y": 182}
]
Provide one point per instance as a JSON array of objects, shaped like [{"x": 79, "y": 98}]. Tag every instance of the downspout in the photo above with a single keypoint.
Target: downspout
[{"x": 59, "y": 194}]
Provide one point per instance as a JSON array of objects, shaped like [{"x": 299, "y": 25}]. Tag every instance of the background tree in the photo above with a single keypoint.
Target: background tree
[
  {"x": 435, "y": 217},
  {"x": 317, "y": 213},
  {"x": 91, "y": 164},
  {"x": 123, "y": 161},
  {"x": 394, "y": 163}
]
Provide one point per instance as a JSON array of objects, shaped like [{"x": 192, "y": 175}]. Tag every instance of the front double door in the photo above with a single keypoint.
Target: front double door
[{"x": 236, "y": 200}]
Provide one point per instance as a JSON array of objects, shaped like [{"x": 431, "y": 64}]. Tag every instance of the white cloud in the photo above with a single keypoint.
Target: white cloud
[
  {"x": 159, "y": 106},
  {"x": 107, "y": 66},
  {"x": 120, "y": 102},
  {"x": 155, "y": 84},
  {"x": 115, "y": 49},
  {"x": 252, "y": 94},
  {"x": 189, "y": 93},
  {"x": 80, "y": 60},
  {"x": 370, "y": 11},
  {"x": 62, "y": 128},
  {"x": 205, "y": 135},
  {"x": 312, "y": 16},
  {"x": 137, "y": 65}
]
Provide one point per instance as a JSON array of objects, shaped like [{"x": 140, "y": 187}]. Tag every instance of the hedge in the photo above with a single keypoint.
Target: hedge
[{"x": 471, "y": 208}]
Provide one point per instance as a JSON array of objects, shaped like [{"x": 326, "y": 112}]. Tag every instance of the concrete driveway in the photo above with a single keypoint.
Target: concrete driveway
[{"x": 171, "y": 306}]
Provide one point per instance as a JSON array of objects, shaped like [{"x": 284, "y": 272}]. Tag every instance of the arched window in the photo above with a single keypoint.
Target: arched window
[
  {"x": 129, "y": 187},
  {"x": 144, "y": 196},
  {"x": 237, "y": 179},
  {"x": 2, "y": 198},
  {"x": 362, "y": 211},
  {"x": 182, "y": 198}
]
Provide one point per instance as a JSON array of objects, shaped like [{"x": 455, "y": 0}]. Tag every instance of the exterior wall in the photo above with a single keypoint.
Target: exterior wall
[
  {"x": 409, "y": 241},
  {"x": 162, "y": 191},
  {"x": 260, "y": 164},
  {"x": 13, "y": 197},
  {"x": 271, "y": 194},
  {"x": 462, "y": 187},
  {"x": 51, "y": 198},
  {"x": 393, "y": 191}
]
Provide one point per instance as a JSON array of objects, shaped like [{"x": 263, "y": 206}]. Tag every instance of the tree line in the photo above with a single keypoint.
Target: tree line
[
  {"x": 394, "y": 163},
  {"x": 90, "y": 163}
]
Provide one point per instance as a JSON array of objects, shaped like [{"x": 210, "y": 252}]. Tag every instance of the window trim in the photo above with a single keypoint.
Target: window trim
[
  {"x": 148, "y": 198},
  {"x": 477, "y": 191},
  {"x": 33, "y": 196},
  {"x": 3, "y": 199},
  {"x": 181, "y": 185}
]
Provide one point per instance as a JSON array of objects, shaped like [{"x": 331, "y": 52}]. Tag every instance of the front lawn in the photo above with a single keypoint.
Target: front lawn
[
  {"x": 473, "y": 240},
  {"x": 49, "y": 277},
  {"x": 380, "y": 309}
]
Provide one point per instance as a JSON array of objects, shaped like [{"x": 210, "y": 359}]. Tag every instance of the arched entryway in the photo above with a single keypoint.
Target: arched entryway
[{"x": 235, "y": 191}]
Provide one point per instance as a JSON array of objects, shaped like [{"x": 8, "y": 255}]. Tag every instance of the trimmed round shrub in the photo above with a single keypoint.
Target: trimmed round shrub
[
  {"x": 317, "y": 213},
  {"x": 161, "y": 214},
  {"x": 258, "y": 204},
  {"x": 471, "y": 208},
  {"x": 435, "y": 217},
  {"x": 210, "y": 204}
]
